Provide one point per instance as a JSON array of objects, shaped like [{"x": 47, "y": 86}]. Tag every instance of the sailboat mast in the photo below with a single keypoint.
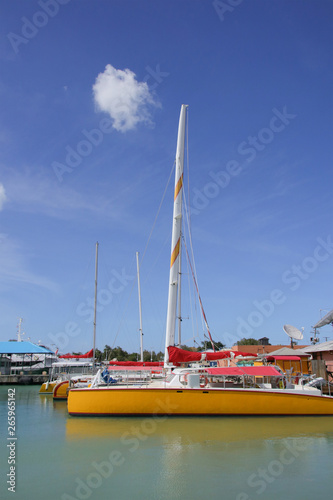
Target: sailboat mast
[
  {"x": 176, "y": 235},
  {"x": 179, "y": 306},
  {"x": 140, "y": 308},
  {"x": 95, "y": 303}
]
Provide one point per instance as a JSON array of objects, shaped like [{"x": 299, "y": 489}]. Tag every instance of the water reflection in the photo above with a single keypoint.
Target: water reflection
[
  {"x": 168, "y": 457},
  {"x": 200, "y": 429}
]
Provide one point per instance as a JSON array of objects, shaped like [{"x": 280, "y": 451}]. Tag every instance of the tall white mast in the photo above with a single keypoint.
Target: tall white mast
[
  {"x": 140, "y": 308},
  {"x": 179, "y": 305},
  {"x": 95, "y": 303},
  {"x": 176, "y": 236}
]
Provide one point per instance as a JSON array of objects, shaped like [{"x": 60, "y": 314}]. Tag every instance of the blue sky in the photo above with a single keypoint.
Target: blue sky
[{"x": 90, "y": 99}]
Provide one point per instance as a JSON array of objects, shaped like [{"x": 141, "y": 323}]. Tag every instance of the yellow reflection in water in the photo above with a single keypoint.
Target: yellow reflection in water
[{"x": 199, "y": 429}]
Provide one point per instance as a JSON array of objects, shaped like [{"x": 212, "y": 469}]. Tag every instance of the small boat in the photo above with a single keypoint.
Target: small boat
[
  {"x": 201, "y": 390},
  {"x": 60, "y": 390},
  {"x": 64, "y": 370},
  {"x": 47, "y": 387}
]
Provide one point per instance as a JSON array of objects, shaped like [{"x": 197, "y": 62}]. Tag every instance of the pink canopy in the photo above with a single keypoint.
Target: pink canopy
[{"x": 257, "y": 371}]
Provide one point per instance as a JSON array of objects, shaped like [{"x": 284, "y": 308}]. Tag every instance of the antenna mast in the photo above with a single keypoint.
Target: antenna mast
[{"x": 19, "y": 339}]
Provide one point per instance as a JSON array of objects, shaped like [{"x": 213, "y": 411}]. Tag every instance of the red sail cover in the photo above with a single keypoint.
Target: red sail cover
[
  {"x": 89, "y": 354},
  {"x": 136, "y": 363},
  {"x": 177, "y": 355},
  {"x": 153, "y": 369}
]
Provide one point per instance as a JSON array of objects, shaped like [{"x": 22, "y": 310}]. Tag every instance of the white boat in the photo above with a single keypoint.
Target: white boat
[{"x": 64, "y": 370}]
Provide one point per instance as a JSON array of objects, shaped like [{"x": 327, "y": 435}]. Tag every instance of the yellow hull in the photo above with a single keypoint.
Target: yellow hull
[
  {"x": 159, "y": 401},
  {"x": 47, "y": 388},
  {"x": 61, "y": 390}
]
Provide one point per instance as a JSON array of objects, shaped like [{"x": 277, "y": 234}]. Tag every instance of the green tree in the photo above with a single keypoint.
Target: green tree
[
  {"x": 248, "y": 342},
  {"x": 206, "y": 344},
  {"x": 160, "y": 356},
  {"x": 134, "y": 356},
  {"x": 98, "y": 355},
  {"x": 110, "y": 353},
  {"x": 146, "y": 355},
  {"x": 187, "y": 348},
  {"x": 119, "y": 353},
  {"x": 106, "y": 352},
  {"x": 151, "y": 356}
]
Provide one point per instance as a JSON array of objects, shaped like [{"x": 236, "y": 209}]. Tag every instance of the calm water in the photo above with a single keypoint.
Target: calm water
[{"x": 66, "y": 458}]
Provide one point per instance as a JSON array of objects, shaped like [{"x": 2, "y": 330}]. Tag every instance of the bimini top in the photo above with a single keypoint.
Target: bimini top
[
  {"x": 24, "y": 347},
  {"x": 256, "y": 371}
]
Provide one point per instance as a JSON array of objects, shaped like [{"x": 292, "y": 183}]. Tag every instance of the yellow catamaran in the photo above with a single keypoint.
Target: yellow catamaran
[{"x": 260, "y": 390}]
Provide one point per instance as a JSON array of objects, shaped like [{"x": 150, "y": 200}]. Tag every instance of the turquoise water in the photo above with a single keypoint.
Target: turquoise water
[{"x": 66, "y": 458}]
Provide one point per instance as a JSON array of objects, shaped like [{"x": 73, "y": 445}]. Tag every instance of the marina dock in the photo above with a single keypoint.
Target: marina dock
[{"x": 23, "y": 379}]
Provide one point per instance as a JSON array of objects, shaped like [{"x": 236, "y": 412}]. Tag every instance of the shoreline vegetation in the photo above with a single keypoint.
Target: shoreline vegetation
[{"x": 119, "y": 354}]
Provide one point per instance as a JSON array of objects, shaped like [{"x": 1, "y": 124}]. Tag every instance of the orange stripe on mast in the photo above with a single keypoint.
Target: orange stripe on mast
[
  {"x": 179, "y": 185},
  {"x": 175, "y": 253}
]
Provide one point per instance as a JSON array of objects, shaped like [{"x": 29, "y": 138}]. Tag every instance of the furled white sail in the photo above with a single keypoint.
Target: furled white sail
[{"x": 176, "y": 236}]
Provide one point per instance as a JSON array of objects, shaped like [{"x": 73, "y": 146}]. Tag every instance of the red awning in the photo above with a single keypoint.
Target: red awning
[
  {"x": 257, "y": 371},
  {"x": 136, "y": 363},
  {"x": 177, "y": 355},
  {"x": 89, "y": 354},
  {"x": 154, "y": 369},
  {"x": 283, "y": 358}
]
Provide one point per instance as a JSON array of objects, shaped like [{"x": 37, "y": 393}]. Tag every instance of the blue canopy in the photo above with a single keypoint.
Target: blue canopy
[{"x": 22, "y": 348}]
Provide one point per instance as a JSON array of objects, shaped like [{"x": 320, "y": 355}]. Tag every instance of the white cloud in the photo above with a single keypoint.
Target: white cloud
[
  {"x": 118, "y": 93},
  {"x": 2, "y": 196}
]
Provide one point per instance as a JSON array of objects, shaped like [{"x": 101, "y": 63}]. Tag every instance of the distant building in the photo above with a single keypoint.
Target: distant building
[
  {"x": 322, "y": 352},
  {"x": 261, "y": 348},
  {"x": 294, "y": 362},
  {"x": 264, "y": 341},
  {"x": 4, "y": 365},
  {"x": 17, "y": 357}
]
